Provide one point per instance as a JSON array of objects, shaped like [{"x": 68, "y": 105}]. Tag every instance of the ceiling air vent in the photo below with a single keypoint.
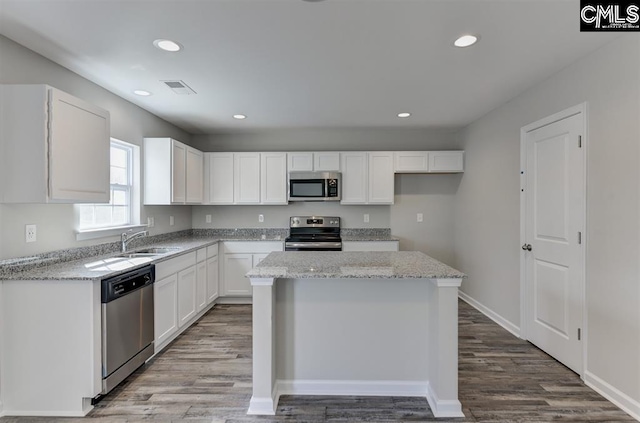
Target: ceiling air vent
[{"x": 179, "y": 87}]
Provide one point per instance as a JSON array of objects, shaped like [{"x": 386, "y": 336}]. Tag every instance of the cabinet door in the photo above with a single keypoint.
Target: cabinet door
[
  {"x": 273, "y": 178},
  {"x": 446, "y": 161},
  {"x": 178, "y": 171},
  {"x": 257, "y": 258},
  {"x": 165, "y": 303},
  {"x": 246, "y": 178},
  {"x": 354, "y": 178},
  {"x": 212, "y": 279},
  {"x": 194, "y": 175},
  {"x": 326, "y": 161},
  {"x": 300, "y": 162},
  {"x": 236, "y": 267},
  {"x": 381, "y": 189},
  {"x": 201, "y": 285},
  {"x": 219, "y": 168},
  {"x": 78, "y": 150},
  {"x": 411, "y": 161},
  {"x": 187, "y": 280}
]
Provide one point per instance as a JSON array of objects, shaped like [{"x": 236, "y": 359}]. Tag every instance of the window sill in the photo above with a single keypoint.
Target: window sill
[{"x": 105, "y": 232}]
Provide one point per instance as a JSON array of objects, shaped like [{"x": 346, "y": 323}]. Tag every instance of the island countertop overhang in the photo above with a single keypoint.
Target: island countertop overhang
[{"x": 345, "y": 265}]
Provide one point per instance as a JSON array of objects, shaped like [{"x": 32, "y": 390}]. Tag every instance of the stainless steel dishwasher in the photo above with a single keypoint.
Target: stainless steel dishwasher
[{"x": 127, "y": 324}]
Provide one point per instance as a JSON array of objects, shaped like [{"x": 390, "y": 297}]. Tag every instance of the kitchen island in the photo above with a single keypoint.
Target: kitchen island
[{"x": 355, "y": 323}]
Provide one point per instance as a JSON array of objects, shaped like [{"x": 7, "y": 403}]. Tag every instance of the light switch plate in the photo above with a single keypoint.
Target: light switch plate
[
  {"x": 419, "y": 217},
  {"x": 171, "y": 221},
  {"x": 207, "y": 218},
  {"x": 261, "y": 218},
  {"x": 366, "y": 218}
]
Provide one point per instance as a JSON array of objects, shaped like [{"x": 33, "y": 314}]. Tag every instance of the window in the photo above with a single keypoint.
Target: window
[{"x": 119, "y": 211}]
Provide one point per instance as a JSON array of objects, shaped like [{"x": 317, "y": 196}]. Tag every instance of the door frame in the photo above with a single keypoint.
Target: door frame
[{"x": 581, "y": 108}]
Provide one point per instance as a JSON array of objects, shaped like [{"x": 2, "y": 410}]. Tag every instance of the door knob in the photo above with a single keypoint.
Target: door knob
[{"x": 526, "y": 247}]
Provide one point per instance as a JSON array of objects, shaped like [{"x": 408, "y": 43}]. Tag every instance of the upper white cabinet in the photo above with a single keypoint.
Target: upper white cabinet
[
  {"x": 367, "y": 178},
  {"x": 446, "y": 161},
  {"x": 173, "y": 172},
  {"x": 273, "y": 178},
  {"x": 428, "y": 161},
  {"x": 246, "y": 178},
  {"x": 322, "y": 161},
  {"x": 55, "y": 147}
]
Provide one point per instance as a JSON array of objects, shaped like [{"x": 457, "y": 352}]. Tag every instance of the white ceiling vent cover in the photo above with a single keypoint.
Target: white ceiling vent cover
[{"x": 179, "y": 87}]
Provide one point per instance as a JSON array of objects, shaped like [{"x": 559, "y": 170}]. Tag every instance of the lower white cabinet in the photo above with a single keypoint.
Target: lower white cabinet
[
  {"x": 370, "y": 246},
  {"x": 201, "y": 285},
  {"x": 239, "y": 258},
  {"x": 212, "y": 279},
  {"x": 165, "y": 301},
  {"x": 186, "y": 295}
]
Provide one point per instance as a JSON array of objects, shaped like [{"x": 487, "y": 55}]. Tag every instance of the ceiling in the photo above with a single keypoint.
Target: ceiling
[{"x": 298, "y": 64}]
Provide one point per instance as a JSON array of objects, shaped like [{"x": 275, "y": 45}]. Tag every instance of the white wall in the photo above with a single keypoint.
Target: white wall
[
  {"x": 56, "y": 223},
  {"x": 487, "y": 240}
]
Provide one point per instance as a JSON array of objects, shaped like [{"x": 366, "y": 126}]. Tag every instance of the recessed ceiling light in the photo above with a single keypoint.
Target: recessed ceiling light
[
  {"x": 404, "y": 115},
  {"x": 142, "y": 93},
  {"x": 240, "y": 117},
  {"x": 167, "y": 45},
  {"x": 465, "y": 41}
]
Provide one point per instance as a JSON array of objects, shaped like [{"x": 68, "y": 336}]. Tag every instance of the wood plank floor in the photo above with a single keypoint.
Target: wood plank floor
[{"x": 205, "y": 376}]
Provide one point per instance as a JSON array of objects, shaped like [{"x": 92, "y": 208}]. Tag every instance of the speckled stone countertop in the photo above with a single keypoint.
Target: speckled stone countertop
[
  {"x": 339, "y": 265},
  {"x": 367, "y": 234}
]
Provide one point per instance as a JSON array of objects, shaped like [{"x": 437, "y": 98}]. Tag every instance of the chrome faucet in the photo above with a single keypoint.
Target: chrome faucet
[{"x": 126, "y": 238}]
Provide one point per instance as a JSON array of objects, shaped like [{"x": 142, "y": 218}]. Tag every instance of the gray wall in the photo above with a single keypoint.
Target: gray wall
[
  {"x": 487, "y": 209},
  {"x": 432, "y": 195},
  {"x": 57, "y": 223}
]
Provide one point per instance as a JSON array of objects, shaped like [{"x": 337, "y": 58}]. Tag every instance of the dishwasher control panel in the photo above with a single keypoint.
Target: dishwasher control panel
[{"x": 117, "y": 286}]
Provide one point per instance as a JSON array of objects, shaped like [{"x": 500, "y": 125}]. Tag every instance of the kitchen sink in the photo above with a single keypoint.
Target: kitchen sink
[{"x": 149, "y": 252}]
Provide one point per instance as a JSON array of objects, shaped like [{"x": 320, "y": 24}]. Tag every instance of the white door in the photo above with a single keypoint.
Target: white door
[
  {"x": 219, "y": 183},
  {"x": 273, "y": 178},
  {"x": 381, "y": 181},
  {"x": 194, "y": 175},
  {"x": 554, "y": 202},
  {"x": 246, "y": 185},
  {"x": 236, "y": 267},
  {"x": 178, "y": 172},
  {"x": 354, "y": 177}
]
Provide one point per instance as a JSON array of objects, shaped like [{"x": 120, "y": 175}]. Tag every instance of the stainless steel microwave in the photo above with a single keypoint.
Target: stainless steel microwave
[{"x": 314, "y": 186}]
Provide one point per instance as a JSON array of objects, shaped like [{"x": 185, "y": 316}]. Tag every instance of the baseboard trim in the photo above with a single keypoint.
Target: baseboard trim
[
  {"x": 44, "y": 413},
  {"x": 440, "y": 408},
  {"x": 619, "y": 398},
  {"x": 513, "y": 329},
  {"x": 234, "y": 300}
]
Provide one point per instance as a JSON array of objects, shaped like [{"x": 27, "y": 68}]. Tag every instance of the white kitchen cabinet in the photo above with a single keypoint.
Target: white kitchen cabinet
[
  {"x": 326, "y": 161},
  {"x": 55, "y": 147},
  {"x": 165, "y": 303},
  {"x": 354, "y": 177},
  {"x": 370, "y": 246},
  {"x": 273, "y": 178},
  {"x": 201, "y": 280},
  {"x": 321, "y": 161},
  {"x": 187, "y": 281},
  {"x": 172, "y": 172},
  {"x": 246, "y": 175},
  {"x": 446, "y": 161},
  {"x": 300, "y": 162},
  {"x": 381, "y": 183},
  {"x": 367, "y": 178},
  {"x": 236, "y": 267},
  {"x": 219, "y": 178},
  {"x": 194, "y": 176},
  {"x": 212, "y": 279},
  {"x": 239, "y": 258},
  {"x": 411, "y": 161}
]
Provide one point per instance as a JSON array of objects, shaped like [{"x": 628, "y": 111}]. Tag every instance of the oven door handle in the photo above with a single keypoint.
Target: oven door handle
[{"x": 313, "y": 244}]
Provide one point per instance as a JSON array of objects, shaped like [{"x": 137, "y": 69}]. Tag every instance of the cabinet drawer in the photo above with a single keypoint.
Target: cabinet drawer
[
  {"x": 253, "y": 247},
  {"x": 201, "y": 255},
  {"x": 212, "y": 250},
  {"x": 174, "y": 265}
]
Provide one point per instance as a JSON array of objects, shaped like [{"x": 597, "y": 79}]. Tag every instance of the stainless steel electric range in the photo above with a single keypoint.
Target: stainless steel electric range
[{"x": 313, "y": 233}]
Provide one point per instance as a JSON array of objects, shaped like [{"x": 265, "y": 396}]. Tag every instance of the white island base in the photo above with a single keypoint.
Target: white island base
[{"x": 356, "y": 336}]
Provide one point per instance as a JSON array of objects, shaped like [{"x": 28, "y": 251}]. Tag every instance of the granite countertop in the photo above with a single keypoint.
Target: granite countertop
[
  {"x": 366, "y": 238},
  {"x": 339, "y": 265}
]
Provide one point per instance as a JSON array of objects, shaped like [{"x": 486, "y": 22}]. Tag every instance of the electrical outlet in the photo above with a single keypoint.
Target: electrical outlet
[
  {"x": 366, "y": 218},
  {"x": 261, "y": 218},
  {"x": 419, "y": 217},
  {"x": 30, "y": 233},
  {"x": 171, "y": 221},
  {"x": 150, "y": 222},
  {"x": 207, "y": 218}
]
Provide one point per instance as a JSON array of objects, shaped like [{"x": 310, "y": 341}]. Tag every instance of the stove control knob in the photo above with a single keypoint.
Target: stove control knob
[{"x": 295, "y": 221}]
